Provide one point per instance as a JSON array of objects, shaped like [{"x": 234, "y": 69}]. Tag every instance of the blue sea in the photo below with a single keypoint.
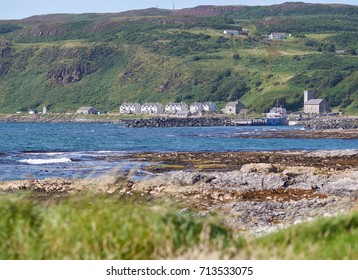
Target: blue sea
[{"x": 42, "y": 150}]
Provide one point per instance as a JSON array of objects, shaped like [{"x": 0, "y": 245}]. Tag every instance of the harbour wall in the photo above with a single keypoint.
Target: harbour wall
[{"x": 193, "y": 122}]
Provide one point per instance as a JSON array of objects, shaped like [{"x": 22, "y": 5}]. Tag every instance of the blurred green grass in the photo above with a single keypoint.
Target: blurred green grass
[{"x": 99, "y": 227}]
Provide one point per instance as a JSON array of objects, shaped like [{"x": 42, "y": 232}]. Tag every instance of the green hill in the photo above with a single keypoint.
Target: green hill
[{"x": 66, "y": 61}]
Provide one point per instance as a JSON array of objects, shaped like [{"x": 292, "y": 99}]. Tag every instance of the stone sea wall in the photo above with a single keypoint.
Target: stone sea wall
[
  {"x": 331, "y": 123},
  {"x": 191, "y": 122}
]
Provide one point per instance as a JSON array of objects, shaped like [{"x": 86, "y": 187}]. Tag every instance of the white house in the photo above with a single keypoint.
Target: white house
[
  {"x": 275, "y": 35},
  {"x": 172, "y": 108},
  {"x": 233, "y": 108},
  {"x": 231, "y": 32},
  {"x": 245, "y": 31},
  {"x": 130, "y": 108},
  {"x": 314, "y": 106},
  {"x": 196, "y": 108},
  {"x": 87, "y": 110},
  {"x": 210, "y": 107},
  {"x": 151, "y": 108}
]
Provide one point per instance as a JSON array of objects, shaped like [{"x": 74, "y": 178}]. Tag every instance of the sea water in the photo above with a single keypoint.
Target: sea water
[{"x": 41, "y": 150}]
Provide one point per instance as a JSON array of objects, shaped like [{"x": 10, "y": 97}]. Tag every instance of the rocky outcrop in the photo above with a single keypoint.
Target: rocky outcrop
[
  {"x": 260, "y": 197},
  {"x": 331, "y": 123},
  {"x": 66, "y": 74}
]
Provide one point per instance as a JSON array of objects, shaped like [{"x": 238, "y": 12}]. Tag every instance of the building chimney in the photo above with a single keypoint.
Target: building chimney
[{"x": 307, "y": 95}]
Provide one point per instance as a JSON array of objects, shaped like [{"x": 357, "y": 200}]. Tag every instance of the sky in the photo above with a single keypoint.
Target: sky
[{"x": 18, "y": 9}]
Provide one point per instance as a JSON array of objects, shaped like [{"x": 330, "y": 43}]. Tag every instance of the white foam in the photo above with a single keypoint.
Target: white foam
[{"x": 45, "y": 161}]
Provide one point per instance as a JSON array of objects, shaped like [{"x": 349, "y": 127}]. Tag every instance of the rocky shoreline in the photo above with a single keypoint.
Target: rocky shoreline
[
  {"x": 253, "y": 192},
  {"x": 331, "y": 123}
]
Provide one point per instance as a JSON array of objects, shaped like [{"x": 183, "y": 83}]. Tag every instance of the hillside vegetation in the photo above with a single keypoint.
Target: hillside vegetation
[{"x": 66, "y": 61}]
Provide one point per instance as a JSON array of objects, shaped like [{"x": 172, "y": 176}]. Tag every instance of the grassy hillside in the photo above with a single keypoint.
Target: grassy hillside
[{"x": 67, "y": 61}]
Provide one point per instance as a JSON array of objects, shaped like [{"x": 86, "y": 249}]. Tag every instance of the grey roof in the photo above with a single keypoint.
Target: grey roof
[
  {"x": 314, "y": 102},
  {"x": 86, "y": 108},
  {"x": 170, "y": 103},
  {"x": 233, "y": 103},
  {"x": 196, "y": 103},
  {"x": 131, "y": 104},
  {"x": 151, "y": 104}
]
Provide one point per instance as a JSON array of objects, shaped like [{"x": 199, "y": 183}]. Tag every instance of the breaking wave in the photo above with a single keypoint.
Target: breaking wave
[{"x": 45, "y": 161}]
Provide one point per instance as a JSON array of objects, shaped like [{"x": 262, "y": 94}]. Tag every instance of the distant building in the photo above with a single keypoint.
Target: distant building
[
  {"x": 87, "y": 110},
  {"x": 314, "y": 106},
  {"x": 44, "y": 110},
  {"x": 275, "y": 36},
  {"x": 340, "y": 51},
  {"x": 130, "y": 108},
  {"x": 231, "y": 32},
  {"x": 151, "y": 108},
  {"x": 172, "y": 108},
  {"x": 245, "y": 31},
  {"x": 210, "y": 107},
  {"x": 196, "y": 108},
  {"x": 233, "y": 108},
  {"x": 32, "y": 112}
]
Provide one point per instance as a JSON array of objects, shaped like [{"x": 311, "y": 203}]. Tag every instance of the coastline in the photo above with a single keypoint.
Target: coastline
[
  {"x": 59, "y": 118},
  {"x": 253, "y": 192}
]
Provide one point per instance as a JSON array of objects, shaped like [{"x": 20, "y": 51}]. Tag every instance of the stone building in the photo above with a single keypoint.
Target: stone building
[
  {"x": 314, "y": 106},
  {"x": 233, "y": 108},
  {"x": 87, "y": 110}
]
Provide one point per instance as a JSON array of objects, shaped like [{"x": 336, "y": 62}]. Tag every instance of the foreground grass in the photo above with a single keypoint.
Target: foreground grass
[{"x": 99, "y": 227}]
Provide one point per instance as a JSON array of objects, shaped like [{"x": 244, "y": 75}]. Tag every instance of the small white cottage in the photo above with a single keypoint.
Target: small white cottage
[
  {"x": 231, "y": 32},
  {"x": 277, "y": 36}
]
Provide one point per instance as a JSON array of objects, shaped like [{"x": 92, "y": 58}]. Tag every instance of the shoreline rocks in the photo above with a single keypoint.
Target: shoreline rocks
[
  {"x": 331, "y": 123},
  {"x": 256, "y": 197}
]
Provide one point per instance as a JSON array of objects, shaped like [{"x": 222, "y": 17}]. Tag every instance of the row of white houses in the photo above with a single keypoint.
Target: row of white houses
[
  {"x": 170, "y": 108},
  {"x": 178, "y": 109}
]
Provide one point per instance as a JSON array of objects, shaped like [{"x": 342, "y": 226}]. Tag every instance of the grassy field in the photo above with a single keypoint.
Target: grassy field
[{"x": 108, "y": 227}]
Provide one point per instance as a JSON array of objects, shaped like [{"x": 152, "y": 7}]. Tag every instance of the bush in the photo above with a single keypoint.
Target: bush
[{"x": 236, "y": 56}]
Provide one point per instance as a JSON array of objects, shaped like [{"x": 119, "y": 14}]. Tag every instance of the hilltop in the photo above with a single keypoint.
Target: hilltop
[{"x": 64, "y": 61}]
